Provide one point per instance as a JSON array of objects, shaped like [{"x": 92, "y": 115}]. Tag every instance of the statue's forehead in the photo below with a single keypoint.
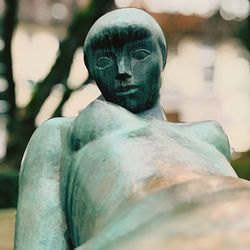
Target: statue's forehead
[
  {"x": 124, "y": 23},
  {"x": 122, "y": 26},
  {"x": 117, "y": 35}
]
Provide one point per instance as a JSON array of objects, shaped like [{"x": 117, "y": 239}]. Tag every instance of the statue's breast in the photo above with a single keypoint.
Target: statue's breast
[
  {"x": 115, "y": 156},
  {"x": 114, "y": 153}
]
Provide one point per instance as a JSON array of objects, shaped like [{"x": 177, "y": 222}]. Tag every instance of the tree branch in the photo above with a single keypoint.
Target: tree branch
[
  {"x": 59, "y": 73},
  {"x": 66, "y": 95},
  {"x": 9, "y": 21}
]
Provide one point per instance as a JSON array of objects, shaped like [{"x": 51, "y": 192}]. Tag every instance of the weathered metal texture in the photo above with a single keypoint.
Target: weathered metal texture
[{"x": 119, "y": 176}]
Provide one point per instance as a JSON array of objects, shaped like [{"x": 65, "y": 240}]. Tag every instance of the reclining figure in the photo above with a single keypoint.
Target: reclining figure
[{"x": 119, "y": 176}]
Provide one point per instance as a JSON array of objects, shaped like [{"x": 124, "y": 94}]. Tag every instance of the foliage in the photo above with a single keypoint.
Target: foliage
[
  {"x": 8, "y": 189},
  {"x": 242, "y": 166}
]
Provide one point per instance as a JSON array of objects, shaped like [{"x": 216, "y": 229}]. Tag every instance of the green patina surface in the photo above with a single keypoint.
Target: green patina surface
[{"x": 97, "y": 180}]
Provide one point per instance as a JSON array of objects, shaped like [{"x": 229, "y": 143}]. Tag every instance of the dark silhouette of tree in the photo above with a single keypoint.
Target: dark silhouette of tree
[{"x": 244, "y": 33}]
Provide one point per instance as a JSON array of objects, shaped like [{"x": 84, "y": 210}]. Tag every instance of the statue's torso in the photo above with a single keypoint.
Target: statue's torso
[{"x": 111, "y": 162}]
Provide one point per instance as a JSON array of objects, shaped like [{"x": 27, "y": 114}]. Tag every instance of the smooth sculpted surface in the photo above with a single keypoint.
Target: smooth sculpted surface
[{"x": 119, "y": 176}]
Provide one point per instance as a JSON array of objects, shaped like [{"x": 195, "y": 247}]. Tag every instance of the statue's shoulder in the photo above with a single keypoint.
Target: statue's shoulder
[
  {"x": 51, "y": 128},
  {"x": 54, "y": 123},
  {"x": 52, "y": 131},
  {"x": 46, "y": 141},
  {"x": 210, "y": 132}
]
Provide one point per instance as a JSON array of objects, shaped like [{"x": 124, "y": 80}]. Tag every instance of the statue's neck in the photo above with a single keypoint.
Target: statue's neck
[{"x": 155, "y": 112}]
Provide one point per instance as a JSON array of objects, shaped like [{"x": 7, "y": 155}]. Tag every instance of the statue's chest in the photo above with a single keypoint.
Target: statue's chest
[
  {"x": 114, "y": 168},
  {"x": 120, "y": 164}
]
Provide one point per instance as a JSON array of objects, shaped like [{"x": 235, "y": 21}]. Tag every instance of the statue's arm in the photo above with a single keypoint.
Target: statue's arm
[
  {"x": 212, "y": 133},
  {"x": 40, "y": 220},
  {"x": 215, "y": 135},
  {"x": 220, "y": 139}
]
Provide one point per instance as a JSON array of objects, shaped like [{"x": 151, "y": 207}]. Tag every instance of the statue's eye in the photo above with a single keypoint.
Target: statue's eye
[
  {"x": 141, "y": 54},
  {"x": 104, "y": 62}
]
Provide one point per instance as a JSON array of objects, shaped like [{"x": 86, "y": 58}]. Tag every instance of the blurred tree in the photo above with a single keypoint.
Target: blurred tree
[
  {"x": 242, "y": 166},
  {"x": 244, "y": 33},
  {"x": 8, "y": 22},
  {"x": 21, "y": 121}
]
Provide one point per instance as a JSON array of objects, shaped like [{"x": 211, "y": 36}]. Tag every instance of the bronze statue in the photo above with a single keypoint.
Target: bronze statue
[{"x": 119, "y": 176}]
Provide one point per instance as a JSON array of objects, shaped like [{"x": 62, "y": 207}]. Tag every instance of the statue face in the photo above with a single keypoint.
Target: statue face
[{"x": 128, "y": 73}]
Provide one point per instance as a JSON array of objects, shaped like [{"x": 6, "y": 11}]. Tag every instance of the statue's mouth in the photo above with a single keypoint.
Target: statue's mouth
[{"x": 130, "y": 89}]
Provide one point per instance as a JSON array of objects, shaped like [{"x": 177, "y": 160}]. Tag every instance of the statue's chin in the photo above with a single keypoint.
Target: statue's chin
[
  {"x": 134, "y": 109},
  {"x": 138, "y": 108},
  {"x": 134, "y": 103}
]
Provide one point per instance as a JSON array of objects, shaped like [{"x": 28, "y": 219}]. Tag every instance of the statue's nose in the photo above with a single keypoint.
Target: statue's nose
[{"x": 123, "y": 69}]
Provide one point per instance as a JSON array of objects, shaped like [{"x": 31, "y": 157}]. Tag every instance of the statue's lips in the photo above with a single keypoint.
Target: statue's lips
[{"x": 126, "y": 90}]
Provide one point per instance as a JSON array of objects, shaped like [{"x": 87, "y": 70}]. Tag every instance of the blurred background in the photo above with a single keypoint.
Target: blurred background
[{"x": 42, "y": 74}]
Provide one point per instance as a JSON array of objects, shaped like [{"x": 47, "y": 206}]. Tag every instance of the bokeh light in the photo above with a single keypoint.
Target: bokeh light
[
  {"x": 59, "y": 11},
  {"x": 78, "y": 73},
  {"x": 229, "y": 9},
  {"x": 3, "y": 84},
  {"x": 33, "y": 54},
  {"x": 80, "y": 99},
  {"x": 2, "y": 45},
  {"x": 123, "y": 3},
  {"x": 3, "y": 137},
  {"x": 50, "y": 104},
  {"x": 234, "y": 9}
]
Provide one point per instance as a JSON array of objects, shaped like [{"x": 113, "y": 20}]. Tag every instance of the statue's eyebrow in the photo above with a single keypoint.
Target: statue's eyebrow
[{"x": 117, "y": 36}]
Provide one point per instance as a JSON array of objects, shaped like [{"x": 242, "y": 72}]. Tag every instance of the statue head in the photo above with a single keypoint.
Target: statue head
[{"x": 125, "y": 52}]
